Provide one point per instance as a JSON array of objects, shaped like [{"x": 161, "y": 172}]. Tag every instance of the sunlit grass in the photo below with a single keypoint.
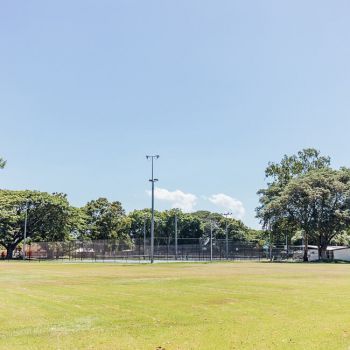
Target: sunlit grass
[{"x": 174, "y": 306}]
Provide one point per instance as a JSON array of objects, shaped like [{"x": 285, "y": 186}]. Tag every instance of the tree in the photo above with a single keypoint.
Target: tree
[
  {"x": 77, "y": 223},
  {"x": 106, "y": 220},
  {"x": 140, "y": 219},
  {"x": 47, "y": 217},
  {"x": 293, "y": 166},
  {"x": 329, "y": 192},
  {"x": 278, "y": 176},
  {"x": 343, "y": 238},
  {"x": 188, "y": 226},
  {"x": 318, "y": 203},
  {"x": 235, "y": 228}
]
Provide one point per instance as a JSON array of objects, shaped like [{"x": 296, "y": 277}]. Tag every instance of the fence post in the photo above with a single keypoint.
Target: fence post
[
  {"x": 211, "y": 240},
  {"x": 270, "y": 246},
  {"x": 175, "y": 237}
]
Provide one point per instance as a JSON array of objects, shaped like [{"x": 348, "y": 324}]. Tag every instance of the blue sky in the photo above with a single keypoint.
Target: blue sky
[{"x": 217, "y": 88}]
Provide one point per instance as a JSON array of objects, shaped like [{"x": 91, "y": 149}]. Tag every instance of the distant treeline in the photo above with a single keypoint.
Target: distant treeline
[
  {"x": 50, "y": 217},
  {"x": 305, "y": 201}
]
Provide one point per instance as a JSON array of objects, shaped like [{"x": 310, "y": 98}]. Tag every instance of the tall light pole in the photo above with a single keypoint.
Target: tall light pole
[
  {"x": 226, "y": 232},
  {"x": 153, "y": 180},
  {"x": 213, "y": 225},
  {"x": 175, "y": 236},
  {"x": 144, "y": 236},
  {"x": 25, "y": 231}
]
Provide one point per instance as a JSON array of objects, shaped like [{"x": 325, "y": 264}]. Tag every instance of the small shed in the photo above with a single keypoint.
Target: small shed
[
  {"x": 338, "y": 253},
  {"x": 333, "y": 253}
]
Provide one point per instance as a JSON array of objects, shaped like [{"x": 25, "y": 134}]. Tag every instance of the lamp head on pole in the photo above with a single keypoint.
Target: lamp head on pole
[{"x": 152, "y": 156}]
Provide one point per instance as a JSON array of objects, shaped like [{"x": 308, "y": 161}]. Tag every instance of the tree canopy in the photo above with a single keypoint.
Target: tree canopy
[
  {"x": 306, "y": 194},
  {"x": 105, "y": 220},
  {"x": 47, "y": 214}
]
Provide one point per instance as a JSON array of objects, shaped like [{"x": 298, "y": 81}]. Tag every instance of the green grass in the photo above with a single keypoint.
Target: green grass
[{"x": 174, "y": 306}]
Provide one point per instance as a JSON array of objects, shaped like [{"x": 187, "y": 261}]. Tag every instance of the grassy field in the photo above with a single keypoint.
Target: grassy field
[{"x": 174, "y": 306}]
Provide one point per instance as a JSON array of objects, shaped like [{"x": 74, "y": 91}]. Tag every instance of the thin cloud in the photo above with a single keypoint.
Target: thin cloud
[
  {"x": 228, "y": 203},
  {"x": 177, "y": 199}
]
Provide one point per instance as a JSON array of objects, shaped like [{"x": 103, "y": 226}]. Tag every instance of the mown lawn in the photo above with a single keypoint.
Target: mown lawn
[{"x": 174, "y": 306}]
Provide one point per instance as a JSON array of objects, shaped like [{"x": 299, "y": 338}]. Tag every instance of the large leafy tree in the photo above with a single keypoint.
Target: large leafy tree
[
  {"x": 318, "y": 203},
  {"x": 290, "y": 167},
  {"x": 106, "y": 220},
  {"x": 140, "y": 220},
  {"x": 188, "y": 226},
  {"x": 77, "y": 223},
  {"x": 278, "y": 176},
  {"x": 47, "y": 214}
]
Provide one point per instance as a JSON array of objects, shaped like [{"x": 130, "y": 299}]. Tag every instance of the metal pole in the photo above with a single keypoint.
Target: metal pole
[
  {"x": 175, "y": 237},
  {"x": 152, "y": 223},
  {"x": 153, "y": 180},
  {"x": 226, "y": 241},
  {"x": 211, "y": 240},
  {"x": 270, "y": 244},
  {"x": 25, "y": 231},
  {"x": 226, "y": 233},
  {"x": 144, "y": 236}
]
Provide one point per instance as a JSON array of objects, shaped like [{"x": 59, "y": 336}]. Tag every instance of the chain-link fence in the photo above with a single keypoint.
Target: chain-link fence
[{"x": 164, "y": 249}]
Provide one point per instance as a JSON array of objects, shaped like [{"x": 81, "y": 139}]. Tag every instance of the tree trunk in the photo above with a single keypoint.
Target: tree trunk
[
  {"x": 322, "y": 252},
  {"x": 9, "y": 251},
  {"x": 322, "y": 248},
  {"x": 306, "y": 245}
]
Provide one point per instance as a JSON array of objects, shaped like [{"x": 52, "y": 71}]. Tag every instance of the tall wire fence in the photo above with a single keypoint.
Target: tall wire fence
[{"x": 164, "y": 250}]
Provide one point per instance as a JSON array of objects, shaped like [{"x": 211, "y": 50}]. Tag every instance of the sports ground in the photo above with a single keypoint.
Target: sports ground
[{"x": 174, "y": 306}]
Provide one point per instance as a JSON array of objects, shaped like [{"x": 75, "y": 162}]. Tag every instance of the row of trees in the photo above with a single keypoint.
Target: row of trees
[
  {"x": 51, "y": 218},
  {"x": 305, "y": 195}
]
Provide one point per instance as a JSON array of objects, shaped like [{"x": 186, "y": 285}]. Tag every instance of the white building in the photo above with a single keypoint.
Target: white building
[
  {"x": 333, "y": 253},
  {"x": 339, "y": 253}
]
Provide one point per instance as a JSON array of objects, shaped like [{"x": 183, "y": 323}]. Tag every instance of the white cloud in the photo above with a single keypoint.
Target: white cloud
[
  {"x": 178, "y": 199},
  {"x": 228, "y": 203}
]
